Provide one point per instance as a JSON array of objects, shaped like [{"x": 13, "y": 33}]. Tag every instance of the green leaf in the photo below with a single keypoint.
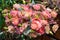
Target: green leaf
[
  {"x": 5, "y": 27},
  {"x": 51, "y": 33},
  {"x": 20, "y": 25}
]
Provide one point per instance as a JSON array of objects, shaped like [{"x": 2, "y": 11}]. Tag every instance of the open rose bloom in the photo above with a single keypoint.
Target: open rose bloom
[{"x": 25, "y": 18}]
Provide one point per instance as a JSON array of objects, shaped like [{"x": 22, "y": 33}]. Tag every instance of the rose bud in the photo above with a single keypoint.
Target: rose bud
[
  {"x": 15, "y": 21},
  {"x": 11, "y": 29},
  {"x": 46, "y": 14},
  {"x": 55, "y": 28},
  {"x": 35, "y": 25},
  {"x": 24, "y": 26},
  {"x": 16, "y": 6},
  {"x": 7, "y": 20},
  {"x": 5, "y": 11},
  {"x": 13, "y": 13},
  {"x": 36, "y": 6},
  {"x": 53, "y": 14},
  {"x": 25, "y": 7}
]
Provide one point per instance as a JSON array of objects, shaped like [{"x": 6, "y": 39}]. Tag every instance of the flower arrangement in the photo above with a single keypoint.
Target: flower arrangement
[{"x": 30, "y": 19}]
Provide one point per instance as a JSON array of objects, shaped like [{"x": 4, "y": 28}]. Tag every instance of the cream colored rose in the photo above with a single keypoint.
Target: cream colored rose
[
  {"x": 55, "y": 28},
  {"x": 53, "y": 14},
  {"x": 11, "y": 29},
  {"x": 47, "y": 29}
]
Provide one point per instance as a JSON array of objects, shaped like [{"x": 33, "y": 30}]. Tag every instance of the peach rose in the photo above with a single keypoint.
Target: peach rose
[
  {"x": 46, "y": 14},
  {"x": 17, "y": 6},
  {"x": 53, "y": 14},
  {"x": 11, "y": 29},
  {"x": 35, "y": 25},
  {"x": 24, "y": 26},
  {"x": 25, "y": 7},
  {"x": 44, "y": 22},
  {"x": 15, "y": 21},
  {"x": 55, "y": 28},
  {"x": 14, "y": 13},
  {"x": 36, "y": 6}
]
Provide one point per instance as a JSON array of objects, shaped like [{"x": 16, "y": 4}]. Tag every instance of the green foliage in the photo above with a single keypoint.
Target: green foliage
[{"x": 1, "y": 21}]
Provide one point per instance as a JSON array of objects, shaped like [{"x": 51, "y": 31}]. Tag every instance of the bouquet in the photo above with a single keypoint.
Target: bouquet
[{"x": 30, "y": 19}]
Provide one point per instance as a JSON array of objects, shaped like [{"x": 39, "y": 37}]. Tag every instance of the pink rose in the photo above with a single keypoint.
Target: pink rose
[
  {"x": 44, "y": 22},
  {"x": 17, "y": 6},
  {"x": 36, "y": 6},
  {"x": 20, "y": 14},
  {"x": 11, "y": 29},
  {"x": 46, "y": 14},
  {"x": 14, "y": 13},
  {"x": 15, "y": 21},
  {"x": 24, "y": 26},
  {"x": 53, "y": 14},
  {"x": 35, "y": 13},
  {"x": 41, "y": 30},
  {"x": 25, "y": 7},
  {"x": 7, "y": 19},
  {"x": 28, "y": 13},
  {"x": 35, "y": 25}
]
